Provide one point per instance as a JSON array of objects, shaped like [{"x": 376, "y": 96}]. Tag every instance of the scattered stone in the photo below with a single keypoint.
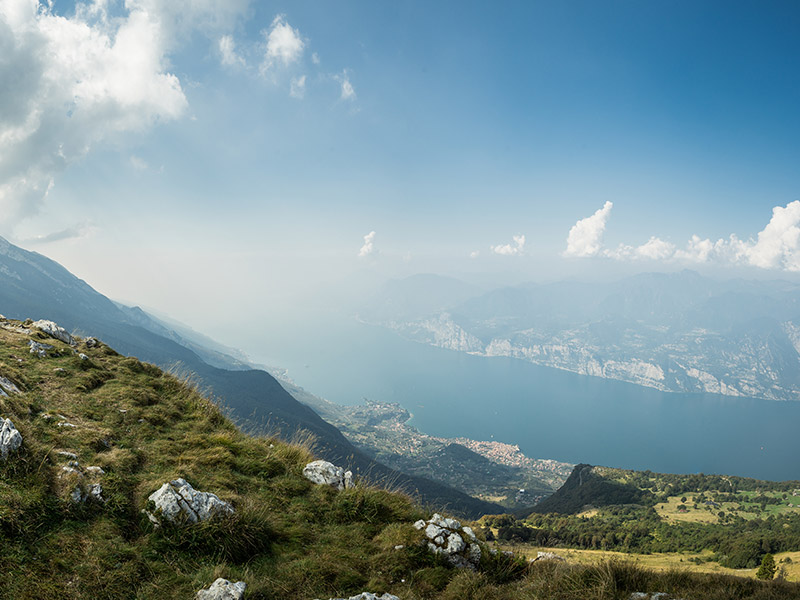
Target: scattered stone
[
  {"x": 66, "y": 454},
  {"x": 66, "y": 424},
  {"x": 324, "y": 473},
  {"x": 82, "y": 356},
  {"x": 369, "y": 596},
  {"x": 178, "y": 501},
  {"x": 222, "y": 589},
  {"x": 548, "y": 556},
  {"x": 53, "y": 330},
  {"x": 123, "y": 410},
  {"x": 7, "y": 387},
  {"x": 82, "y": 491},
  {"x": 95, "y": 470},
  {"x": 10, "y": 438},
  {"x": 446, "y": 537},
  {"x": 39, "y": 349},
  {"x": 91, "y": 342},
  {"x": 399, "y": 547}
]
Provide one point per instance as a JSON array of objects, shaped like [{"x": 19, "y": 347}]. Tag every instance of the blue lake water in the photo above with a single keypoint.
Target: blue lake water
[{"x": 548, "y": 412}]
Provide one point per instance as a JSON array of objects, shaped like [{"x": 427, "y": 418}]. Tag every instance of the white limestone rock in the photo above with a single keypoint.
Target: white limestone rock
[
  {"x": 548, "y": 556},
  {"x": 91, "y": 342},
  {"x": 324, "y": 473},
  {"x": 39, "y": 349},
  {"x": 53, "y": 330},
  {"x": 177, "y": 501},
  {"x": 10, "y": 438},
  {"x": 7, "y": 387},
  {"x": 222, "y": 589},
  {"x": 447, "y": 537}
]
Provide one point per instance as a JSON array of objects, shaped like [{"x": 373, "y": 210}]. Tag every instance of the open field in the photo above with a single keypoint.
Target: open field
[
  {"x": 749, "y": 508},
  {"x": 701, "y": 562}
]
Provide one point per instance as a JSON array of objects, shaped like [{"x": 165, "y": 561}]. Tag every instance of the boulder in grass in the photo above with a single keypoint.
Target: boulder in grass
[
  {"x": 222, "y": 589},
  {"x": 324, "y": 473},
  {"x": 456, "y": 543},
  {"x": 10, "y": 438},
  {"x": 177, "y": 501},
  {"x": 53, "y": 330},
  {"x": 7, "y": 387}
]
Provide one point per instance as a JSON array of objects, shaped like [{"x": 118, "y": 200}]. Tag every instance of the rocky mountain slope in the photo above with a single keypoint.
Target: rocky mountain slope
[
  {"x": 678, "y": 332},
  {"x": 117, "y": 481},
  {"x": 34, "y": 286}
]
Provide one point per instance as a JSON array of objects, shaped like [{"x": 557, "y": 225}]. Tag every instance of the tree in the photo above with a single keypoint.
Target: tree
[{"x": 767, "y": 568}]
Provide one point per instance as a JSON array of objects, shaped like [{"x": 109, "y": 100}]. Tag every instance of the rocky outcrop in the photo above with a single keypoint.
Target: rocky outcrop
[
  {"x": 456, "y": 543},
  {"x": 53, "y": 330},
  {"x": 7, "y": 387},
  {"x": 178, "y": 502},
  {"x": 324, "y": 473},
  {"x": 39, "y": 349},
  {"x": 222, "y": 589},
  {"x": 369, "y": 596},
  {"x": 10, "y": 438}
]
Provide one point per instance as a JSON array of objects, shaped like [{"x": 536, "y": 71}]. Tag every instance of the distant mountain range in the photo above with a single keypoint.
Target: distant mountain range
[
  {"x": 678, "y": 332},
  {"x": 33, "y": 286}
]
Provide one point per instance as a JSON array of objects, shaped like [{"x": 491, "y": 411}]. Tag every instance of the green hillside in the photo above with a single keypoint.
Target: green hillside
[{"x": 89, "y": 416}]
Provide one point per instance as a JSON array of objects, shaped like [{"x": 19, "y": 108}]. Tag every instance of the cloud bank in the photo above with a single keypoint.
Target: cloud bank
[{"x": 777, "y": 246}]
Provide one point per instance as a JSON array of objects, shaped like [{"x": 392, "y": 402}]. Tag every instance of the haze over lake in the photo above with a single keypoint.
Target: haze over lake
[{"x": 548, "y": 412}]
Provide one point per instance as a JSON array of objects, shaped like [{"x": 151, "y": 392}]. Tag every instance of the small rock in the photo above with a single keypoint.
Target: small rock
[
  {"x": 399, "y": 547},
  {"x": 447, "y": 538},
  {"x": 222, "y": 589},
  {"x": 178, "y": 500},
  {"x": 95, "y": 470},
  {"x": 10, "y": 438},
  {"x": 82, "y": 356},
  {"x": 420, "y": 524},
  {"x": 65, "y": 424},
  {"x": 91, "y": 342},
  {"x": 548, "y": 556},
  {"x": 38, "y": 349},
  {"x": 66, "y": 454},
  {"x": 6, "y": 385},
  {"x": 53, "y": 330},
  {"x": 324, "y": 473}
]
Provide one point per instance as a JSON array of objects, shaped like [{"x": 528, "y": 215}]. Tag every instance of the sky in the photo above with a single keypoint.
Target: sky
[{"x": 221, "y": 159}]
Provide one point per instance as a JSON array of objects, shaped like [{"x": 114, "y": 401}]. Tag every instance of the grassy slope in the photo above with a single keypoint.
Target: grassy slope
[{"x": 288, "y": 538}]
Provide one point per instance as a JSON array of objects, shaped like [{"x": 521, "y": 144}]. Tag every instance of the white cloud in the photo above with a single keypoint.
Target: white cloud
[
  {"x": 475, "y": 254},
  {"x": 514, "y": 249},
  {"x": 368, "y": 247},
  {"x": 777, "y": 246},
  {"x": 138, "y": 163},
  {"x": 284, "y": 44},
  {"x": 654, "y": 249},
  {"x": 348, "y": 93},
  {"x": 315, "y": 58},
  {"x": 298, "y": 87},
  {"x": 227, "y": 50},
  {"x": 586, "y": 236},
  {"x": 83, "y": 79}
]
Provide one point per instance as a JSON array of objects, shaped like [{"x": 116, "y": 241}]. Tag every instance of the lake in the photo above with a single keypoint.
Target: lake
[{"x": 549, "y": 413}]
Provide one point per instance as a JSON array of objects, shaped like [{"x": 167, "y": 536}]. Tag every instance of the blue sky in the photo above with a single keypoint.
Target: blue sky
[{"x": 255, "y": 144}]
